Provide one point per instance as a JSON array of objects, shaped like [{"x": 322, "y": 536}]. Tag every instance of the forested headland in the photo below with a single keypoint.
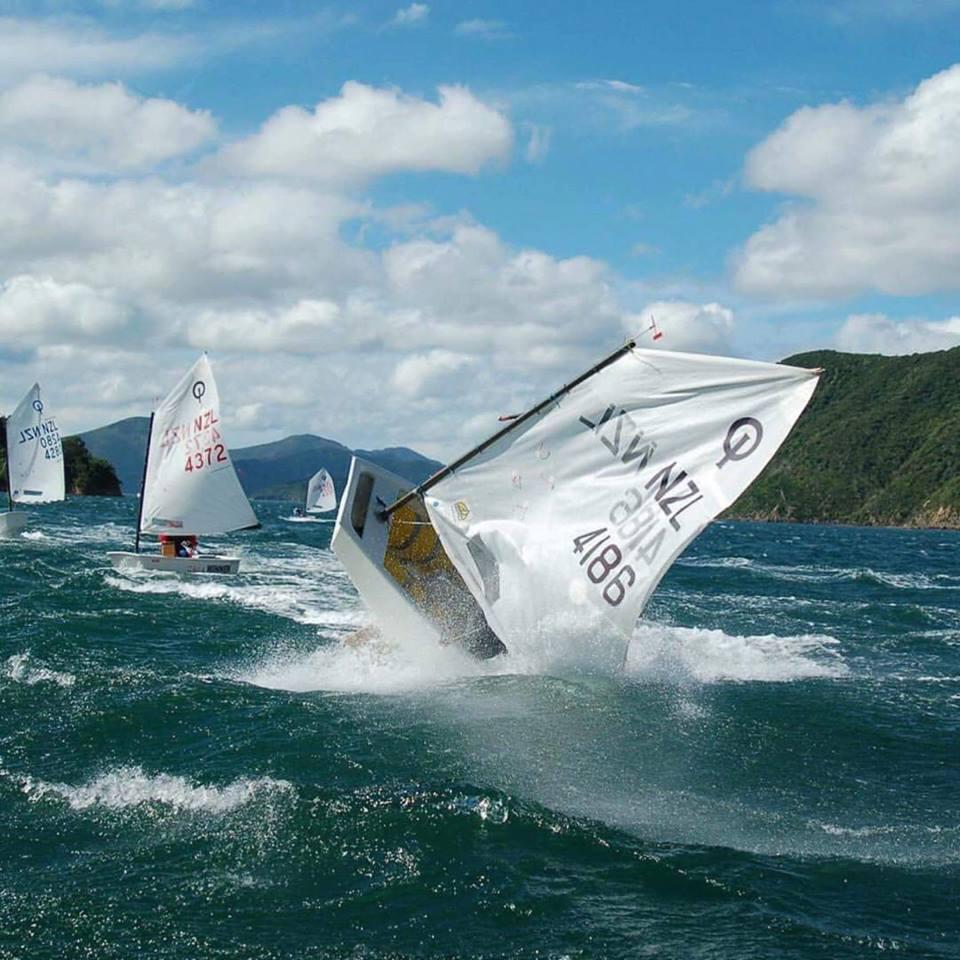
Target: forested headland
[{"x": 879, "y": 444}]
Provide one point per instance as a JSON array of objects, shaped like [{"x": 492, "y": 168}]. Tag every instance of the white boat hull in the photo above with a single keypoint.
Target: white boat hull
[
  {"x": 403, "y": 577},
  {"x": 12, "y": 523},
  {"x": 207, "y": 563},
  {"x": 362, "y": 552}
]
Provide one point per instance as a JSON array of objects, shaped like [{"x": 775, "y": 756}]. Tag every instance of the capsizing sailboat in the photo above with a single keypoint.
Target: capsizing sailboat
[
  {"x": 572, "y": 511},
  {"x": 321, "y": 498},
  {"x": 190, "y": 487},
  {"x": 34, "y": 456}
]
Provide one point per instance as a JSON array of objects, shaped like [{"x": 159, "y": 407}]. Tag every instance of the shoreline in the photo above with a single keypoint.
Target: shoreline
[{"x": 953, "y": 527}]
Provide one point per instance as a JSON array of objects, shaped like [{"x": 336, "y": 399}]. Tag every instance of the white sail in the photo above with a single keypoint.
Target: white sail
[
  {"x": 584, "y": 508},
  {"x": 35, "y": 453},
  {"x": 321, "y": 495},
  {"x": 191, "y": 486}
]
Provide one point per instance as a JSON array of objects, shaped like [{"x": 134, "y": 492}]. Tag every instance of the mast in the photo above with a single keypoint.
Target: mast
[
  {"x": 6, "y": 458},
  {"x": 143, "y": 481},
  {"x": 444, "y": 472}
]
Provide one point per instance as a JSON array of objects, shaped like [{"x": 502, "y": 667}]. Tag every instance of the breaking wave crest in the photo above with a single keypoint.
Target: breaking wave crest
[
  {"x": 375, "y": 666},
  {"x": 807, "y": 573},
  {"x": 126, "y": 787},
  {"x": 712, "y": 656},
  {"x": 308, "y": 588},
  {"x": 19, "y": 670},
  {"x": 660, "y": 653}
]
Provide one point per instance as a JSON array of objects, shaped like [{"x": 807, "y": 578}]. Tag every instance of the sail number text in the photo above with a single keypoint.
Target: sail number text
[
  {"x": 47, "y": 435},
  {"x": 636, "y": 530},
  {"x": 198, "y": 440},
  {"x": 205, "y": 458},
  {"x": 600, "y": 559}
]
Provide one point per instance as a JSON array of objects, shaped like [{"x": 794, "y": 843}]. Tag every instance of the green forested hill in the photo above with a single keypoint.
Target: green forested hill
[
  {"x": 879, "y": 444},
  {"x": 86, "y": 475}
]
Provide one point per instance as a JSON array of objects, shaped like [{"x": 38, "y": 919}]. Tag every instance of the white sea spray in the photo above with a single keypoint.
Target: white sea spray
[{"x": 130, "y": 786}]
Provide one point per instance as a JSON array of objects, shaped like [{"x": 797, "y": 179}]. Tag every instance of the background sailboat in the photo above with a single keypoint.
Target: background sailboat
[
  {"x": 190, "y": 487},
  {"x": 34, "y": 456},
  {"x": 321, "y": 495},
  {"x": 321, "y": 498}
]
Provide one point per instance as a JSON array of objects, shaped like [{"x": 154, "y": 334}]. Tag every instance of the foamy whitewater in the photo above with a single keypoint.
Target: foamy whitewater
[
  {"x": 214, "y": 766},
  {"x": 130, "y": 787}
]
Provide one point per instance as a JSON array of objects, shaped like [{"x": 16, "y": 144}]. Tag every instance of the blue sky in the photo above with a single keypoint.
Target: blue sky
[{"x": 423, "y": 214}]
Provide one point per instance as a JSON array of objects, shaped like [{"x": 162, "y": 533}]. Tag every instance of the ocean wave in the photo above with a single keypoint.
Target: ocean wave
[
  {"x": 875, "y": 831},
  {"x": 488, "y": 806},
  {"x": 808, "y": 573},
  {"x": 908, "y": 581},
  {"x": 377, "y": 665},
  {"x": 307, "y": 587},
  {"x": 19, "y": 670},
  {"x": 117, "y": 536},
  {"x": 657, "y": 652},
  {"x": 715, "y": 563},
  {"x": 935, "y": 841},
  {"x": 711, "y": 656},
  {"x": 924, "y": 678},
  {"x": 126, "y": 787}
]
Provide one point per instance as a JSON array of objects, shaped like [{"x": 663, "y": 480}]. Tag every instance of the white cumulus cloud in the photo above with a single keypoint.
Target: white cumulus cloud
[
  {"x": 880, "y": 198},
  {"x": 97, "y": 127},
  {"x": 473, "y": 292},
  {"x": 41, "y": 310},
  {"x": 307, "y": 326},
  {"x": 696, "y": 327},
  {"x": 79, "y": 48},
  {"x": 183, "y": 243},
  {"x": 878, "y": 333},
  {"x": 117, "y": 272},
  {"x": 368, "y": 132},
  {"x": 433, "y": 369}
]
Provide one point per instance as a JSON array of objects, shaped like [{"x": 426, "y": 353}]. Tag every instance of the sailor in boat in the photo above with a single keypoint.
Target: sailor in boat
[
  {"x": 186, "y": 547},
  {"x": 183, "y": 547},
  {"x": 297, "y": 512}
]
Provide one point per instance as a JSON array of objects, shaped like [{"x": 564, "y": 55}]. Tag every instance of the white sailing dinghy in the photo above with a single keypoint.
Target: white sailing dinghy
[
  {"x": 190, "y": 487},
  {"x": 34, "y": 455},
  {"x": 576, "y": 509},
  {"x": 321, "y": 498}
]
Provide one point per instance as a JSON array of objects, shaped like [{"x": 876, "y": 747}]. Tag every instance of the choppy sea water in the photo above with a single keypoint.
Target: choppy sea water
[{"x": 202, "y": 768}]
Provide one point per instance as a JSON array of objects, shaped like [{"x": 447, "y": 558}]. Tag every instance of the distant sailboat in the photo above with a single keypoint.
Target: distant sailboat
[
  {"x": 321, "y": 495},
  {"x": 34, "y": 457},
  {"x": 321, "y": 498},
  {"x": 190, "y": 487},
  {"x": 575, "y": 509}
]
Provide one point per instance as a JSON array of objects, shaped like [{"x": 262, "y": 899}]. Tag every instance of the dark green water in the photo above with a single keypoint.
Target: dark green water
[{"x": 200, "y": 768}]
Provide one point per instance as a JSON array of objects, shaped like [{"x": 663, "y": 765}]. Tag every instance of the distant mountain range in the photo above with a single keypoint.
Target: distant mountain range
[{"x": 277, "y": 470}]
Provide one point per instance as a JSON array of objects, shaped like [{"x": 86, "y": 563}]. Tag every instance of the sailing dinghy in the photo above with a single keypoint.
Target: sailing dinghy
[
  {"x": 190, "y": 487},
  {"x": 34, "y": 456},
  {"x": 321, "y": 498},
  {"x": 575, "y": 510}
]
